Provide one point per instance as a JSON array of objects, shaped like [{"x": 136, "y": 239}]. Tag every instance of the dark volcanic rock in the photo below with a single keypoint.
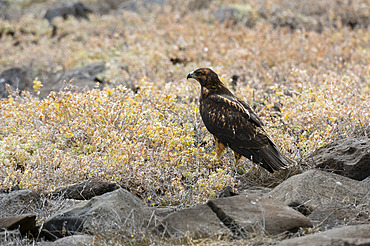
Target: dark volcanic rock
[
  {"x": 85, "y": 77},
  {"x": 16, "y": 78},
  {"x": 76, "y": 9},
  {"x": 347, "y": 157},
  {"x": 26, "y": 223},
  {"x": 88, "y": 72},
  {"x": 227, "y": 192},
  {"x": 85, "y": 190},
  {"x": 63, "y": 226}
]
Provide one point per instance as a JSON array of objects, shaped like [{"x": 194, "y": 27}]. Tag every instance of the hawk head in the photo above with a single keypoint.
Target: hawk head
[{"x": 206, "y": 77}]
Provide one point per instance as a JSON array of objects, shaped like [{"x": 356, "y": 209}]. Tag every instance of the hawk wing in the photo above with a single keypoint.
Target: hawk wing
[
  {"x": 239, "y": 128},
  {"x": 228, "y": 119}
]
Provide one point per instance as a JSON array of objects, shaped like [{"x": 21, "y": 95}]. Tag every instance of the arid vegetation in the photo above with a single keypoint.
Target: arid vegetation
[{"x": 143, "y": 130}]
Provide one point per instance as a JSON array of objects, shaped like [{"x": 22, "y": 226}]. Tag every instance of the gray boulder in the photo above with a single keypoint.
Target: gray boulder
[
  {"x": 245, "y": 213},
  {"x": 19, "y": 202},
  {"x": 341, "y": 236},
  {"x": 348, "y": 157},
  {"x": 197, "y": 222},
  {"x": 334, "y": 215},
  {"x": 85, "y": 77},
  {"x": 316, "y": 188},
  {"x": 234, "y": 216},
  {"x": 78, "y": 79},
  {"x": 117, "y": 209}
]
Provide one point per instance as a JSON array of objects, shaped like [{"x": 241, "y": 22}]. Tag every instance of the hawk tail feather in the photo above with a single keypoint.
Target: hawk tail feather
[
  {"x": 268, "y": 157},
  {"x": 272, "y": 159}
]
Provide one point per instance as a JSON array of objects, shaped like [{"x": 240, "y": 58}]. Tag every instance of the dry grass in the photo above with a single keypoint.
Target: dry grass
[
  {"x": 149, "y": 141},
  {"x": 309, "y": 88}
]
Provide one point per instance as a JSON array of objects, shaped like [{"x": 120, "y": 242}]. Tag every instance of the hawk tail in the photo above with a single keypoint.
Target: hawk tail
[{"x": 272, "y": 159}]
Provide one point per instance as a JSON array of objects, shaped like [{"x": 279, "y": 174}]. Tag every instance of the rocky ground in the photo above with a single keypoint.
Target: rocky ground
[
  {"x": 317, "y": 207},
  {"x": 324, "y": 201}
]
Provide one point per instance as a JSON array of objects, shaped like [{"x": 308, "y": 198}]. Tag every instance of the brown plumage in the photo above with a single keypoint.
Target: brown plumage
[{"x": 234, "y": 124}]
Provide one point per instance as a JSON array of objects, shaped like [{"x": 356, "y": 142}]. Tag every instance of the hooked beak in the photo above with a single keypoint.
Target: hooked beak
[{"x": 191, "y": 76}]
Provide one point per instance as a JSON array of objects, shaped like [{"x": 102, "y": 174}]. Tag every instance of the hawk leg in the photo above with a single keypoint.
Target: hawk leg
[
  {"x": 220, "y": 147},
  {"x": 237, "y": 157},
  {"x": 239, "y": 169}
]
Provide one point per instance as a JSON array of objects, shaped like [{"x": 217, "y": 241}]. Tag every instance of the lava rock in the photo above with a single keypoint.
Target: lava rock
[{"x": 348, "y": 157}]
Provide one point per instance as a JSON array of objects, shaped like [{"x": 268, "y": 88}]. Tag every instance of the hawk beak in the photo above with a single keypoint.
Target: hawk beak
[{"x": 190, "y": 76}]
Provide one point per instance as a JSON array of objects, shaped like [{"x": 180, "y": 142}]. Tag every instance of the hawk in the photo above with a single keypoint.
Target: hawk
[{"x": 234, "y": 124}]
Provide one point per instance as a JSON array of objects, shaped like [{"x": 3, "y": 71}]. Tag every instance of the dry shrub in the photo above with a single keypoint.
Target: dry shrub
[
  {"x": 308, "y": 88},
  {"x": 143, "y": 141}
]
